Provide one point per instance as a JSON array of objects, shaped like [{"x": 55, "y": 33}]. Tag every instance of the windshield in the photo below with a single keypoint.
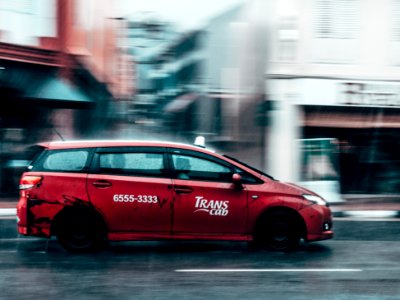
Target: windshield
[{"x": 248, "y": 166}]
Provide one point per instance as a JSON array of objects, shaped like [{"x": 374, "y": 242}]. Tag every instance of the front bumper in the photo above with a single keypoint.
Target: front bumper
[
  {"x": 325, "y": 235},
  {"x": 318, "y": 220}
]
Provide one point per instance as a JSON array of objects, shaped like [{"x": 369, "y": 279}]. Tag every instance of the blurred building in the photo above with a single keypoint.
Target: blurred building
[
  {"x": 147, "y": 36},
  {"x": 234, "y": 68},
  {"x": 57, "y": 74},
  {"x": 207, "y": 81},
  {"x": 179, "y": 88},
  {"x": 334, "y": 74},
  {"x": 126, "y": 76},
  {"x": 306, "y": 90},
  {"x": 200, "y": 82}
]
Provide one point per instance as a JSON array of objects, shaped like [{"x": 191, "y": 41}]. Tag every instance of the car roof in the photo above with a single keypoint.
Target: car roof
[
  {"x": 119, "y": 143},
  {"x": 59, "y": 145}
]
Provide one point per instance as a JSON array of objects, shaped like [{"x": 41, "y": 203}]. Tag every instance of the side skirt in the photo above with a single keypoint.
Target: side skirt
[{"x": 123, "y": 236}]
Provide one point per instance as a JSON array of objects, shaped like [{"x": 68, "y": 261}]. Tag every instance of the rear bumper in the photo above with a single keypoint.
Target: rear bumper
[{"x": 23, "y": 230}]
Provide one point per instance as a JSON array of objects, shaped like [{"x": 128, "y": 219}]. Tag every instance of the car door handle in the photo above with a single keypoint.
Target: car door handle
[
  {"x": 102, "y": 184},
  {"x": 183, "y": 190}
]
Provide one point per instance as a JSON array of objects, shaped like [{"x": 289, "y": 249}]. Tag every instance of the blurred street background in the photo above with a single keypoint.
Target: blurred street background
[{"x": 308, "y": 91}]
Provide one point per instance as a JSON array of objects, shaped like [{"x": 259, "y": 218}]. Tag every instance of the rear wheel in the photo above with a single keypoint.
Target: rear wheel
[
  {"x": 78, "y": 233},
  {"x": 279, "y": 231}
]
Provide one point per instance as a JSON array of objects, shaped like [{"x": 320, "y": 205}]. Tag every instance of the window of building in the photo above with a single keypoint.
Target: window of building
[
  {"x": 288, "y": 36},
  {"x": 396, "y": 21},
  {"x": 336, "y": 19},
  {"x": 336, "y": 31},
  {"x": 394, "y": 45}
]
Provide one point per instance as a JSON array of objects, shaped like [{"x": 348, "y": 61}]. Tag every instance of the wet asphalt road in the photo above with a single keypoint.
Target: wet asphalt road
[{"x": 361, "y": 263}]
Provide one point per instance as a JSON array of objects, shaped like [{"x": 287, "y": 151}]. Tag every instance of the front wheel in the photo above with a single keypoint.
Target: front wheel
[
  {"x": 279, "y": 231},
  {"x": 78, "y": 234}
]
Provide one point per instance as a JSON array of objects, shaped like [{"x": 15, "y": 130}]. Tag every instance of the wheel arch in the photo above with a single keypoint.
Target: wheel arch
[
  {"x": 263, "y": 217},
  {"x": 79, "y": 211}
]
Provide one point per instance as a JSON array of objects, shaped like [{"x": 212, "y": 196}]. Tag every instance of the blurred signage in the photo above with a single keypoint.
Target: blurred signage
[
  {"x": 359, "y": 93},
  {"x": 343, "y": 92}
]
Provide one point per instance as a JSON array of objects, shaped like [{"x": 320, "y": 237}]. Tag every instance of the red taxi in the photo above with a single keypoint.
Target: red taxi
[{"x": 87, "y": 192}]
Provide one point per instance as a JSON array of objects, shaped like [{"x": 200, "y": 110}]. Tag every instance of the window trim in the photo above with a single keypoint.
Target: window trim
[
  {"x": 205, "y": 156},
  {"x": 95, "y": 166}
]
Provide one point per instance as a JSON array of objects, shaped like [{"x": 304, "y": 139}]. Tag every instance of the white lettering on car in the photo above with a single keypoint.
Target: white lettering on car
[
  {"x": 120, "y": 198},
  {"x": 212, "y": 207}
]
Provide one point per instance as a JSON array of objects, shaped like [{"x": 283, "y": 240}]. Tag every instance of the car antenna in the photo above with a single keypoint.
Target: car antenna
[{"x": 59, "y": 134}]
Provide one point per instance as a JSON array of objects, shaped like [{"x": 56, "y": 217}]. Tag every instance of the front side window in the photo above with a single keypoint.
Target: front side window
[
  {"x": 247, "y": 178},
  {"x": 135, "y": 164},
  {"x": 70, "y": 160},
  {"x": 195, "y": 168}
]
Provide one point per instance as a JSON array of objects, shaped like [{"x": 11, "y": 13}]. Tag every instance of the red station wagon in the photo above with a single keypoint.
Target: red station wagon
[{"x": 87, "y": 192}]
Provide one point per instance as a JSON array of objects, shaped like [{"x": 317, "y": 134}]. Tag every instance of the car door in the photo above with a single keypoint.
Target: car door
[
  {"x": 133, "y": 189},
  {"x": 206, "y": 201}
]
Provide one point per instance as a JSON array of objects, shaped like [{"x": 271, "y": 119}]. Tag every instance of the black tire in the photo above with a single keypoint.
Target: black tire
[
  {"x": 79, "y": 233},
  {"x": 278, "y": 231}
]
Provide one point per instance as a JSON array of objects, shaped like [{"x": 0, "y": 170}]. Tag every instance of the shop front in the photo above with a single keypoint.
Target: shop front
[{"x": 361, "y": 119}]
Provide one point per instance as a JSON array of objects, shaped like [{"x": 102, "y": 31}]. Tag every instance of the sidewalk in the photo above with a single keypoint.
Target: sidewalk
[
  {"x": 369, "y": 206},
  {"x": 8, "y": 206}
]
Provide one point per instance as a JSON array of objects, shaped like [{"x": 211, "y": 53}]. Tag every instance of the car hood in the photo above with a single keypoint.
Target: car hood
[
  {"x": 288, "y": 188},
  {"x": 301, "y": 190}
]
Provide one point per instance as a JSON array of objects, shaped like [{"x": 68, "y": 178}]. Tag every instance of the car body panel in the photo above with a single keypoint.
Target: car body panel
[
  {"x": 147, "y": 207},
  {"x": 168, "y": 207},
  {"x": 209, "y": 208},
  {"x": 56, "y": 191}
]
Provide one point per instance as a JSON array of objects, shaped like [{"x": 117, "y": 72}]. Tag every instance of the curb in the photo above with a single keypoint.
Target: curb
[
  {"x": 8, "y": 212},
  {"x": 370, "y": 214}
]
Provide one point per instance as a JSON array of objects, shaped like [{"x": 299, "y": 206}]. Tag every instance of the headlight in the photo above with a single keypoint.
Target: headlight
[{"x": 315, "y": 199}]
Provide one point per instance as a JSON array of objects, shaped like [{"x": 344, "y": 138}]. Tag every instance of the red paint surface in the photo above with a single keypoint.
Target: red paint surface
[{"x": 175, "y": 209}]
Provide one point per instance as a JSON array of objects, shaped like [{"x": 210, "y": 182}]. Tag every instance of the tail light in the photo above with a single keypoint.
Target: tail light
[{"x": 29, "y": 181}]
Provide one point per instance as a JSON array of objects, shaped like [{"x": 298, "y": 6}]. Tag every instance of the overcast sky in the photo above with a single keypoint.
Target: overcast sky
[{"x": 185, "y": 13}]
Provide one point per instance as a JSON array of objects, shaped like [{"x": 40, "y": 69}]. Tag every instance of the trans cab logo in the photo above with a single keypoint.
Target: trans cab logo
[{"x": 212, "y": 207}]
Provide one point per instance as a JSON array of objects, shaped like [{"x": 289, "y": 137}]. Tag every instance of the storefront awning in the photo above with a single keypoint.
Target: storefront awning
[
  {"x": 40, "y": 85},
  {"x": 58, "y": 92}
]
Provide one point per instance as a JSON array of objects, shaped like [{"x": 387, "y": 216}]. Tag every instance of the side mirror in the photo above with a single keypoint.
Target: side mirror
[{"x": 237, "y": 181}]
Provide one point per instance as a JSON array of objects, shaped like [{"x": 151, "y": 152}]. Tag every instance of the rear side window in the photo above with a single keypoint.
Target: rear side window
[
  {"x": 135, "y": 164},
  {"x": 62, "y": 161}
]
